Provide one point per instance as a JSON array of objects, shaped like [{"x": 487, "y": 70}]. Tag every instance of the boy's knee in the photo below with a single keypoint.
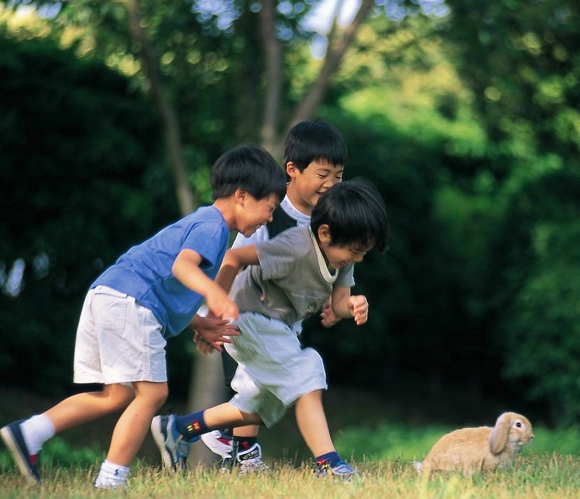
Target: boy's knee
[
  {"x": 157, "y": 393},
  {"x": 120, "y": 396}
]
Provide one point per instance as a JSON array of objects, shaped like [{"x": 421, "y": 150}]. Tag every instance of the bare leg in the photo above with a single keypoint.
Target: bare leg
[
  {"x": 227, "y": 416},
  {"x": 86, "y": 407},
  {"x": 312, "y": 423},
  {"x": 250, "y": 431},
  {"x": 134, "y": 423}
]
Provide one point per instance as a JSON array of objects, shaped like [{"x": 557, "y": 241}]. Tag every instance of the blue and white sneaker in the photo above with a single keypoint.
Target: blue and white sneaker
[
  {"x": 173, "y": 446},
  {"x": 27, "y": 463},
  {"x": 340, "y": 470}
]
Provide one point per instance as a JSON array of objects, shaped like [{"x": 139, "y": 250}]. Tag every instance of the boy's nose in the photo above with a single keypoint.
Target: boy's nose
[{"x": 330, "y": 181}]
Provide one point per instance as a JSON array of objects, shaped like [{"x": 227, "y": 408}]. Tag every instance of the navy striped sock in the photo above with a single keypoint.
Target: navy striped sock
[
  {"x": 192, "y": 425},
  {"x": 244, "y": 443},
  {"x": 331, "y": 458}
]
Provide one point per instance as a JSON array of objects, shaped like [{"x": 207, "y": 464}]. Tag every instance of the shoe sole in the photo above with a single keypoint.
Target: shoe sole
[
  {"x": 14, "y": 449},
  {"x": 159, "y": 438}
]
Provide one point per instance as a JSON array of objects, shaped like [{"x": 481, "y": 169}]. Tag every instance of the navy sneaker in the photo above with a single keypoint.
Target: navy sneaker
[
  {"x": 173, "y": 446},
  {"x": 340, "y": 470},
  {"x": 27, "y": 463}
]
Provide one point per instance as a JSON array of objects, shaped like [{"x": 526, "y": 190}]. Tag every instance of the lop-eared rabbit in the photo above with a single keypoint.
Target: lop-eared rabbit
[{"x": 471, "y": 450}]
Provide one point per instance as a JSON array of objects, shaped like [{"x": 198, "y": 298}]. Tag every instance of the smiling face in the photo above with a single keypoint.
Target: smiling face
[
  {"x": 306, "y": 187},
  {"x": 253, "y": 212},
  {"x": 339, "y": 256}
]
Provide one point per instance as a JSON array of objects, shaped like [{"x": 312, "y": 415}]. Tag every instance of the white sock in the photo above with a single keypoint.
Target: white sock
[
  {"x": 36, "y": 430},
  {"x": 112, "y": 475}
]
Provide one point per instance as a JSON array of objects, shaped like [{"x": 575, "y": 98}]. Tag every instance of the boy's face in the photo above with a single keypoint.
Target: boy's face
[
  {"x": 339, "y": 256},
  {"x": 254, "y": 213},
  {"x": 306, "y": 187}
]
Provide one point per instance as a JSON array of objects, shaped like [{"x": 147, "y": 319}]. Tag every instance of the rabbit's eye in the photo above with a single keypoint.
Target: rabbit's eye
[{"x": 518, "y": 424}]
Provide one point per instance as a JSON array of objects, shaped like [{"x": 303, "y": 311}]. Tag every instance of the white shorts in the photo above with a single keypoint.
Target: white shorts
[
  {"x": 273, "y": 368},
  {"x": 118, "y": 341}
]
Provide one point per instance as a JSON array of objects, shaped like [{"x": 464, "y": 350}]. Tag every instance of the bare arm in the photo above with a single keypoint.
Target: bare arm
[
  {"x": 235, "y": 260},
  {"x": 211, "y": 333},
  {"x": 344, "y": 305},
  {"x": 186, "y": 270}
]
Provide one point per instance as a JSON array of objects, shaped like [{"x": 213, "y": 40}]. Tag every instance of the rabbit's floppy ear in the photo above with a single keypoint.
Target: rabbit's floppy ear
[{"x": 499, "y": 435}]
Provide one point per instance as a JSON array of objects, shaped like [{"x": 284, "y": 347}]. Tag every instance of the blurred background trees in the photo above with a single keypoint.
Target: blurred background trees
[{"x": 463, "y": 113}]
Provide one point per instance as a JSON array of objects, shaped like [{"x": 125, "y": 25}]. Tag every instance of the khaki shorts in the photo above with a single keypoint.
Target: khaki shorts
[
  {"x": 273, "y": 369},
  {"x": 118, "y": 341}
]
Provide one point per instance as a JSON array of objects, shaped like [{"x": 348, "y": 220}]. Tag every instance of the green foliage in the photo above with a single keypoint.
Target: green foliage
[
  {"x": 79, "y": 186},
  {"x": 468, "y": 123},
  {"x": 389, "y": 441},
  {"x": 540, "y": 316}
]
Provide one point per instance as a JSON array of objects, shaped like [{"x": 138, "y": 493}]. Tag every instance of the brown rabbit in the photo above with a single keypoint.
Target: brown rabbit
[{"x": 471, "y": 450}]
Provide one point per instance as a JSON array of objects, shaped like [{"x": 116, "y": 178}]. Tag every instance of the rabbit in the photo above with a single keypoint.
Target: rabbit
[{"x": 471, "y": 450}]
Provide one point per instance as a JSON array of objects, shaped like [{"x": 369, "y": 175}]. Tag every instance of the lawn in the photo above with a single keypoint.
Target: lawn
[{"x": 382, "y": 445}]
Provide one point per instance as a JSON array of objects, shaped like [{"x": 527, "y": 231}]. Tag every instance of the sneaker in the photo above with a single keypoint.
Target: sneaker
[
  {"x": 27, "y": 463},
  {"x": 250, "y": 460},
  {"x": 219, "y": 443},
  {"x": 104, "y": 483},
  {"x": 340, "y": 470},
  {"x": 173, "y": 446}
]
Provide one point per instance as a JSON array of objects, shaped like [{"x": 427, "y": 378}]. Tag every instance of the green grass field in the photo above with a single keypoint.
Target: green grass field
[
  {"x": 380, "y": 446},
  {"x": 535, "y": 476},
  {"x": 549, "y": 468}
]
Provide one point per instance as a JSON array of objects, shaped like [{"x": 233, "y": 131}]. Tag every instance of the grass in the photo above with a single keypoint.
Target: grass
[
  {"x": 541, "y": 476},
  {"x": 379, "y": 444}
]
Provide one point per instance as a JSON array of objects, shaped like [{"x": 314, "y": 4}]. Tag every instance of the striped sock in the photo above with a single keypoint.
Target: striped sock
[
  {"x": 192, "y": 425},
  {"x": 331, "y": 459},
  {"x": 245, "y": 443}
]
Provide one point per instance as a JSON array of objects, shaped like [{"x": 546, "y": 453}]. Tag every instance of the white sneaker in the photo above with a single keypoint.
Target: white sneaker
[
  {"x": 250, "y": 461},
  {"x": 219, "y": 443}
]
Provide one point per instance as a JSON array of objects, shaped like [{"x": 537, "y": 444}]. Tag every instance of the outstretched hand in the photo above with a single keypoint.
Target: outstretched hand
[
  {"x": 359, "y": 308},
  {"x": 211, "y": 333},
  {"x": 327, "y": 317}
]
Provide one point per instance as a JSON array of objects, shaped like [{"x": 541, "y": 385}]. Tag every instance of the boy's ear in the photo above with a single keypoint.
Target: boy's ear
[
  {"x": 291, "y": 169},
  {"x": 324, "y": 234},
  {"x": 240, "y": 196}
]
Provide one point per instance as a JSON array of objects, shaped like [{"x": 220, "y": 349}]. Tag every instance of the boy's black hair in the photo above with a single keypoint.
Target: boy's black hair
[
  {"x": 355, "y": 214},
  {"x": 310, "y": 141},
  {"x": 250, "y": 168}
]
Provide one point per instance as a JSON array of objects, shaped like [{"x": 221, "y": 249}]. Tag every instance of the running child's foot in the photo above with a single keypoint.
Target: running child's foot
[
  {"x": 173, "y": 446},
  {"x": 27, "y": 463},
  {"x": 219, "y": 443},
  {"x": 340, "y": 470},
  {"x": 250, "y": 460},
  {"x": 222, "y": 444}
]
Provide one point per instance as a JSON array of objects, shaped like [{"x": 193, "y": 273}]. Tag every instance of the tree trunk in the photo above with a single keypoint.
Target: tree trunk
[
  {"x": 273, "y": 76},
  {"x": 206, "y": 385},
  {"x": 338, "y": 43}
]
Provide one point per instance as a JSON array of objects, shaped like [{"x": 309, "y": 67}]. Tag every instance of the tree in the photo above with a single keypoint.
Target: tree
[{"x": 272, "y": 129}]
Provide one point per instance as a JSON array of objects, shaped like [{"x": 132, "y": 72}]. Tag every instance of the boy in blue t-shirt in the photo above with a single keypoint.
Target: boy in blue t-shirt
[{"x": 149, "y": 295}]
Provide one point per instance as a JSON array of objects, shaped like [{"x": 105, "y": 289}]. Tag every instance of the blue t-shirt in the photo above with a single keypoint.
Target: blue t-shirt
[{"x": 144, "y": 272}]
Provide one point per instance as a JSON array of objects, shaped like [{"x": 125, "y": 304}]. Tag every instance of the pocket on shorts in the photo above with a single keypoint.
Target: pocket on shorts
[{"x": 110, "y": 309}]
